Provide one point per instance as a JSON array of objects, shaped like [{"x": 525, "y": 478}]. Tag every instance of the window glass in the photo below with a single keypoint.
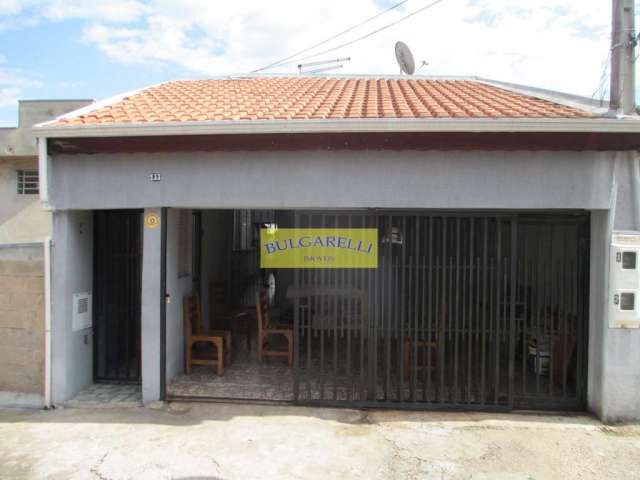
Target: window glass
[{"x": 28, "y": 182}]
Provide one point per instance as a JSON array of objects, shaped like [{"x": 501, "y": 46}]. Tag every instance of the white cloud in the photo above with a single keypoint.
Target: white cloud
[
  {"x": 11, "y": 7},
  {"x": 558, "y": 44},
  {"x": 9, "y": 96},
  {"x": 13, "y": 83},
  {"x": 103, "y": 10}
]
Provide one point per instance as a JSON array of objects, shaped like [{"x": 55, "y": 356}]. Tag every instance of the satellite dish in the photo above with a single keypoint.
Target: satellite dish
[{"x": 405, "y": 58}]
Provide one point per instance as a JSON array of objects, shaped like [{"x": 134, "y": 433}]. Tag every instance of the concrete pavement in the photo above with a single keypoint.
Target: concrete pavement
[{"x": 226, "y": 441}]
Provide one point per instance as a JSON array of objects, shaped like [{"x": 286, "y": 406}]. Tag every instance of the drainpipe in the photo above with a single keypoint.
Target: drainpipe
[
  {"x": 43, "y": 174},
  {"x": 47, "y": 323},
  {"x": 43, "y": 170}
]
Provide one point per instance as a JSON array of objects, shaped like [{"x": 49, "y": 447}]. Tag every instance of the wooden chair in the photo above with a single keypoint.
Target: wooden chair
[
  {"x": 267, "y": 329},
  {"x": 194, "y": 333}
]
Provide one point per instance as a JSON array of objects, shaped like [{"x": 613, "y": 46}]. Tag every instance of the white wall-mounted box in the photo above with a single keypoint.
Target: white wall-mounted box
[
  {"x": 624, "y": 281},
  {"x": 82, "y": 311}
]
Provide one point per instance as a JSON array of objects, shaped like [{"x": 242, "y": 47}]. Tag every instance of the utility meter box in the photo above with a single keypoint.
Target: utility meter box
[
  {"x": 624, "y": 281},
  {"x": 82, "y": 311}
]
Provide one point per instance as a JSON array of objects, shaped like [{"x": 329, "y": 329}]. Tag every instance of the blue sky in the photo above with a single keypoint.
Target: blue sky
[
  {"x": 67, "y": 67},
  {"x": 96, "y": 49}
]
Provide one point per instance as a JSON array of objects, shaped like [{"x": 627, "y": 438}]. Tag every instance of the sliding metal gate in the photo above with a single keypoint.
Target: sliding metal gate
[{"x": 475, "y": 311}]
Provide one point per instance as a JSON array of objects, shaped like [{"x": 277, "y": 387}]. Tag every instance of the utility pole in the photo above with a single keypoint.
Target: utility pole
[{"x": 623, "y": 42}]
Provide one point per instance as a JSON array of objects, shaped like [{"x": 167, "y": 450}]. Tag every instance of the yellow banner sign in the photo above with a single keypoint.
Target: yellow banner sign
[{"x": 319, "y": 248}]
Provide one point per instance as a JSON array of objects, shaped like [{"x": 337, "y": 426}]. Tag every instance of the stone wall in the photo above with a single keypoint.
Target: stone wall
[{"x": 21, "y": 325}]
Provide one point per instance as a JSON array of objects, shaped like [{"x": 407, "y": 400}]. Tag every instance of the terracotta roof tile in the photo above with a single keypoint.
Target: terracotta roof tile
[{"x": 298, "y": 98}]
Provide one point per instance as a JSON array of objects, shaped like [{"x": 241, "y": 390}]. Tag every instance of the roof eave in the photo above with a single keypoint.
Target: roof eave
[{"x": 231, "y": 127}]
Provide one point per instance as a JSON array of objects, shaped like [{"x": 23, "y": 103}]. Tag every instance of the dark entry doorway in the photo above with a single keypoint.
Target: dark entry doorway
[{"x": 117, "y": 295}]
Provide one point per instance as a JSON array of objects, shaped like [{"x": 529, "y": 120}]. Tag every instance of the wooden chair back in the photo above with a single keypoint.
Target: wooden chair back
[
  {"x": 262, "y": 311},
  {"x": 192, "y": 315}
]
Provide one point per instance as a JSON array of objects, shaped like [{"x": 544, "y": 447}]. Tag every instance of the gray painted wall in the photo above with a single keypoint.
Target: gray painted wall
[
  {"x": 21, "y": 141},
  {"x": 72, "y": 272},
  {"x": 334, "y": 179},
  {"x": 479, "y": 180},
  {"x": 176, "y": 288},
  {"x": 619, "y": 348},
  {"x": 598, "y": 281},
  {"x": 150, "y": 301},
  {"x": 622, "y": 203}
]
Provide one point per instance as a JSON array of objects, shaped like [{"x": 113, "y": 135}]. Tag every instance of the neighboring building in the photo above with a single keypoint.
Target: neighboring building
[
  {"x": 24, "y": 225},
  {"x": 22, "y": 218},
  {"x": 495, "y": 208}
]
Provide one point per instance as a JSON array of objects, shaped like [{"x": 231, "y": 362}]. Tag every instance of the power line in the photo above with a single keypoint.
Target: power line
[
  {"x": 601, "y": 90},
  {"x": 378, "y": 30},
  {"x": 604, "y": 77},
  {"x": 279, "y": 62}
]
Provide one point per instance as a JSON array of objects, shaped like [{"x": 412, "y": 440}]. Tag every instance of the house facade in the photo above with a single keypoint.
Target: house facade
[
  {"x": 495, "y": 209},
  {"x": 24, "y": 226}
]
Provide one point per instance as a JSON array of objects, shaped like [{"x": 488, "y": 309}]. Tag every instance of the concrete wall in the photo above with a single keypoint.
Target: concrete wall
[
  {"x": 150, "y": 321},
  {"x": 22, "y": 326},
  {"x": 598, "y": 294},
  {"x": 335, "y": 179},
  {"x": 23, "y": 222},
  {"x": 22, "y": 218},
  {"x": 617, "y": 350},
  {"x": 20, "y": 141},
  {"x": 72, "y": 272},
  {"x": 177, "y": 288},
  {"x": 455, "y": 180}
]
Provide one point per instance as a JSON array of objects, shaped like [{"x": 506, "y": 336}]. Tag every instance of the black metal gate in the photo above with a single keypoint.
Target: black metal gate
[
  {"x": 464, "y": 310},
  {"x": 117, "y": 295}
]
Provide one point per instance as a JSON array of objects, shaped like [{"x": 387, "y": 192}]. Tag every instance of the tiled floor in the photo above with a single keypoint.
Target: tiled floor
[
  {"x": 100, "y": 394},
  {"x": 249, "y": 379},
  {"x": 246, "y": 378},
  {"x": 272, "y": 379}
]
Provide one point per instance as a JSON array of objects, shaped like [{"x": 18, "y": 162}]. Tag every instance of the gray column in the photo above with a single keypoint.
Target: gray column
[
  {"x": 150, "y": 321},
  {"x": 598, "y": 281},
  {"x": 72, "y": 272},
  {"x": 614, "y": 363}
]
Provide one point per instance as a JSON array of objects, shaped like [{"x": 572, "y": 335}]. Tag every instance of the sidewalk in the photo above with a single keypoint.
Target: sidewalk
[{"x": 223, "y": 441}]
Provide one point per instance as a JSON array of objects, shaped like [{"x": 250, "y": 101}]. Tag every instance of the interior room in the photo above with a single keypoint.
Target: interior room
[
  {"x": 461, "y": 309},
  {"x": 227, "y": 278}
]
